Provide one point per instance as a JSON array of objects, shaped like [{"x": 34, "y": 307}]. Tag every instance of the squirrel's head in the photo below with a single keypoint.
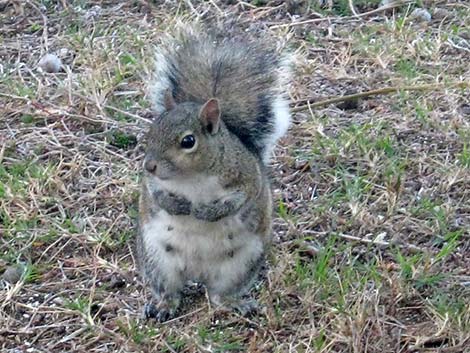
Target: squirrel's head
[{"x": 183, "y": 140}]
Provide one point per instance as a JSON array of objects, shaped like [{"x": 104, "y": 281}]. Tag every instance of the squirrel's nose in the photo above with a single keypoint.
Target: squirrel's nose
[{"x": 150, "y": 165}]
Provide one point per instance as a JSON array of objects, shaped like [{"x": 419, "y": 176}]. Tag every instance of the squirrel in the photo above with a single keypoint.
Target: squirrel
[{"x": 220, "y": 105}]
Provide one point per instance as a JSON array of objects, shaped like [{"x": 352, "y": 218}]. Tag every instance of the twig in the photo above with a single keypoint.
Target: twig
[
  {"x": 410, "y": 247},
  {"x": 457, "y": 46},
  {"x": 244, "y": 3},
  {"x": 135, "y": 116},
  {"x": 42, "y": 108},
  {"x": 12, "y": 96},
  {"x": 2, "y": 151},
  {"x": 308, "y": 103},
  {"x": 353, "y": 10},
  {"x": 184, "y": 315},
  {"x": 73, "y": 335},
  {"x": 193, "y": 10},
  {"x": 217, "y": 7},
  {"x": 44, "y": 26},
  {"x": 364, "y": 14},
  {"x": 170, "y": 348}
]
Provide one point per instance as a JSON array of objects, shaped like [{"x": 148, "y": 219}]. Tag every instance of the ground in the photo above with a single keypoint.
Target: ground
[{"x": 372, "y": 195}]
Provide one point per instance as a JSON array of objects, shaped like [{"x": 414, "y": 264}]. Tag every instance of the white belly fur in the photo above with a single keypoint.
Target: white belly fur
[{"x": 200, "y": 249}]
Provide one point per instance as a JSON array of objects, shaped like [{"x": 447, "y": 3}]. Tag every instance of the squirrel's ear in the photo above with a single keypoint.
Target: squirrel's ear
[
  {"x": 210, "y": 115},
  {"x": 169, "y": 100}
]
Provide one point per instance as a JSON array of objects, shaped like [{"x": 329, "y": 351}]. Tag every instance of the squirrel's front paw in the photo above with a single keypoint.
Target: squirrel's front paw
[
  {"x": 220, "y": 208},
  {"x": 236, "y": 200},
  {"x": 173, "y": 204},
  {"x": 210, "y": 212}
]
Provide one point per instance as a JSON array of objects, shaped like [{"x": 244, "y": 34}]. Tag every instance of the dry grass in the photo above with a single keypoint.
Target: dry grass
[{"x": 372, "y": 241}]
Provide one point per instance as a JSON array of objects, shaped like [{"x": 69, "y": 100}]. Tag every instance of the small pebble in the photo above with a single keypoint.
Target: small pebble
[
  {"x": 63, "y": 52},
  {"x": 13, "y": 274},
  {"x": 420, "y": 14},
  {"x": 465, "y": 110},
  {"x": 309, "y": 250},
  {"x": 302, "y": 164},
  {"x": 386, "y": 2},
  {"x": 50, "y": 63},
  {"x": 93, "y": 13},
  {"x": 440, "y": 13},
  {"x": 58, "y": 300},
  {"x": 117, "y": 282}
]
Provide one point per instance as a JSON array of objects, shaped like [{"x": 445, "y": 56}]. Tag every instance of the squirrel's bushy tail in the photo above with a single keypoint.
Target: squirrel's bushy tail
[{"x": 249, "y": 79}]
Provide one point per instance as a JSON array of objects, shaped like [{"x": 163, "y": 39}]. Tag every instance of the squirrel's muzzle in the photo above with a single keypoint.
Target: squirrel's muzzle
[
  {"x": 150, "y": 165},
  {"x": 159, "y": 167}
]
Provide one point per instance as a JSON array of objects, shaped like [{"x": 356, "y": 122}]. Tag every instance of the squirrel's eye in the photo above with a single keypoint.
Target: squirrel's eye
[{"x": 188, "y": 142}]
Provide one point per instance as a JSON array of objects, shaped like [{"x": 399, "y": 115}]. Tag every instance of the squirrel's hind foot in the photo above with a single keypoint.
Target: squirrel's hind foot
[
  {"x": 161, "y": 312},
  {"x": 245, "y": 307}
]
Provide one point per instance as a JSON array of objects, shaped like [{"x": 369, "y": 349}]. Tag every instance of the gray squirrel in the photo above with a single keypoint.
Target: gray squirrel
[{"x": 220, "y": 105}]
